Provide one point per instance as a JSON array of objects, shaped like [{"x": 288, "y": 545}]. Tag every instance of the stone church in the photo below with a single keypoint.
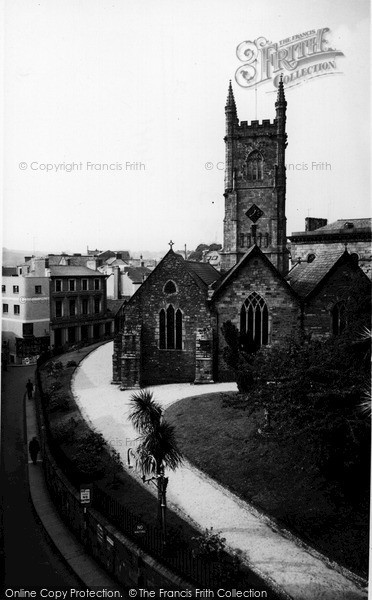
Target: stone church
[{"x": 172, "y": 328}]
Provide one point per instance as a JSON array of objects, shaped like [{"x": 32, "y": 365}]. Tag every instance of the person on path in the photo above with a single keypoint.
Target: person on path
[
  {"x": 30, "y": 389},
  {"x": 34, "y": 448}
]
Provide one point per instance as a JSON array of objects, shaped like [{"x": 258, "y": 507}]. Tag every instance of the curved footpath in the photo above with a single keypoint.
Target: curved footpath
[{"x": 301, "y": 573}]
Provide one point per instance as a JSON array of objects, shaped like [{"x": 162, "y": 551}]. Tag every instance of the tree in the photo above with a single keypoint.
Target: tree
[
  {"x": 157, "y": 448},
  {"x": 315, "y": 391},
  {"x": 197, "y": 254}
]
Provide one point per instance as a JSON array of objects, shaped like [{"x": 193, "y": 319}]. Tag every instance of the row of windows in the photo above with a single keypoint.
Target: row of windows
[
  {"x": 72, "y": 285},
  {"x": 254, "y": 324},
  {"x": 58, "y": 286},
  {"x": 61, "y": 310},
  {"x": 16, "y": 309},
  {"x": 246, "y": 240},
  {"x": 38, "y": 289}
]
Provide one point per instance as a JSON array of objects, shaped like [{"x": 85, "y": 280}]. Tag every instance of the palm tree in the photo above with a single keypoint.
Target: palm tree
[{"x": 157, "y": 448}]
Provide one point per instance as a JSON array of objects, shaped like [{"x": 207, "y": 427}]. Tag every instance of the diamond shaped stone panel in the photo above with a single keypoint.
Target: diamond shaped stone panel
[{"x": 254, "y": 213}]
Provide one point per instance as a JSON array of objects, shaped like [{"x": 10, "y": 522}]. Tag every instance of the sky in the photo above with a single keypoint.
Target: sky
[{"x": 143, "y": 84}]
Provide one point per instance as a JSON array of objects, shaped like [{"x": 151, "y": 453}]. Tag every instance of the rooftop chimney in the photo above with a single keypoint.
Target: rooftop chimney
[{"x": 313, "y": 223}]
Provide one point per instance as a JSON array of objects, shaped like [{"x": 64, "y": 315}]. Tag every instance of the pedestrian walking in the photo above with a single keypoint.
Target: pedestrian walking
[
  {"x": 34, "y": 448},
  {"x": 30, "y": 389}
]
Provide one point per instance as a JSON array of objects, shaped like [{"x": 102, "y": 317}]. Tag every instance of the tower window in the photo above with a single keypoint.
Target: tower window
[
  {"x": 170, "y": 328},
  {"x": 254, "y": 323},
  {"x": 338, "y": 314},
  {"x": 170, "y": 287},
  {"x": 242, "y": 240},
  {"x": 254, "y": 166}
]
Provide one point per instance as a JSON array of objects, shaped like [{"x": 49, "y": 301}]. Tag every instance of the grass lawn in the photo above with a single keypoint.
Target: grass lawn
[{"x": 220, "y": 437}]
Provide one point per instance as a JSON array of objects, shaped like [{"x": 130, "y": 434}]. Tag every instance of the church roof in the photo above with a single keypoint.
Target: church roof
[
  {"x": 305, "y": 276},
  {"x": 204, "y": 271},
  {"x": 253, "y": 251}
]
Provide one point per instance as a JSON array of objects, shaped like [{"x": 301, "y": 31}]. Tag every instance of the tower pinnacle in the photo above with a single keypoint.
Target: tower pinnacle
[
  {"x": 281, "y": 101},
  {"x": 230, "y": 102}
]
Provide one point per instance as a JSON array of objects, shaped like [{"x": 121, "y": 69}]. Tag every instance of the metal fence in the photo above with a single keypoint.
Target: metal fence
[
  {"x": 176, "y": 555},
  {"x": 178, "y": 558}
]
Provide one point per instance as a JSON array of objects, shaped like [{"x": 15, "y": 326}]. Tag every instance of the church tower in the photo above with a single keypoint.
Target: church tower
[{"x": 255, "y": 186}]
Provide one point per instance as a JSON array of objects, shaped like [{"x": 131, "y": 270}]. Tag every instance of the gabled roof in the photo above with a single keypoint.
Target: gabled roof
[
  {"x": 203, "y": 271},
  {"x": 70, "y": 271},
  {"x": 74, "y": 261},
  {"x": 305, "y": 276},
  {"x": 125, "y": 255},
  {"x": 137, "y": 274},
  {"x": 114, "y": 262},
  {"x": 251, "y": 253},
  {"x": 114, "y": 306}
]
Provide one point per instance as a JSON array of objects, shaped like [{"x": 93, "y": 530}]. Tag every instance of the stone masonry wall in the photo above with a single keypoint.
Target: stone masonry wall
[
  {"x": 168, "y": 366},
  {"x": 339, "y": 286},
  {"x": 284, "y": 309}
]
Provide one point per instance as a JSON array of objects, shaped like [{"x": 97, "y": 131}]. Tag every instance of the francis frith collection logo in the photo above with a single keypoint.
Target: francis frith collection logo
[{"x": 298, "y": 58}]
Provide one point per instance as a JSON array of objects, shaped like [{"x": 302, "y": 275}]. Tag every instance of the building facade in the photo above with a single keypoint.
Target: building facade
[
  {"x": 78, "y": 306},
  {"x": 320, "y": 236},
  {"x": 172, "y": 323},
  {"x": 255, "y": 186},
  {"x": 25, "y": 313},
  {"x": 54, "y": 302}
]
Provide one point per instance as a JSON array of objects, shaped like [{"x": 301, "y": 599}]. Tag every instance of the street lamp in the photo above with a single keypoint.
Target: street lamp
[{"x": 161, "y": 483}]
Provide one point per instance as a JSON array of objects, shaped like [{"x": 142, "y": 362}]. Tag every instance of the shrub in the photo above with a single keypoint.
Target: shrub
[
  {"x": 71, "y": 363},
  {"x": 54, "y": 368},
  {"x": 210, "y": 545},
  {"x": 58, "y": 402},
  {"x": 65, "y": 432}
]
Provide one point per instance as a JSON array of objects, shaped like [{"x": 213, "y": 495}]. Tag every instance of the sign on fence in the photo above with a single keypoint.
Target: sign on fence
[
  {"x": 85, "y": 494},
  {"x": 140, "y": 529}
]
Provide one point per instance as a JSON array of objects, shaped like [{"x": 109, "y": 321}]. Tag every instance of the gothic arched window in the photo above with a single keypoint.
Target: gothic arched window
[
  {"x": 170, "y": 328},
  {"x": 254, "y": 323},
  {"x": 254, "y": 166},
  {"x": 338, "y": 314},
  {"x": 170, "y": 287}
]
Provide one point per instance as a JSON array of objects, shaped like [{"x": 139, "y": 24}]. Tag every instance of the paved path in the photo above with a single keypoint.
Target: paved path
[
  {"x": 30, "y": 560},
  {"x": 40, "y": 551},
  {"x": 298, "y": 571}
]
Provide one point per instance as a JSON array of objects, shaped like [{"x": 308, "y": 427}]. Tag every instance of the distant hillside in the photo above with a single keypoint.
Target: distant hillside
[{"x": 12, "y": 257}]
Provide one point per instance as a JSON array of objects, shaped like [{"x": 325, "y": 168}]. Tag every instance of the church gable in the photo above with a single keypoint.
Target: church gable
[
  {"x": 261, "y": 305},
  {"x": 341, "y": 299},
  {"x": 171, "y": 306}
]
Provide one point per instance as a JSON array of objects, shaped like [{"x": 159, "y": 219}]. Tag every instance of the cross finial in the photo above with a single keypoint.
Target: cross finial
[{"x": 171, "y": 244}]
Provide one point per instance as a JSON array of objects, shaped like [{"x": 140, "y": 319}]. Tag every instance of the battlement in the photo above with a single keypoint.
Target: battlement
[{"x": 266, "y": 123}]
